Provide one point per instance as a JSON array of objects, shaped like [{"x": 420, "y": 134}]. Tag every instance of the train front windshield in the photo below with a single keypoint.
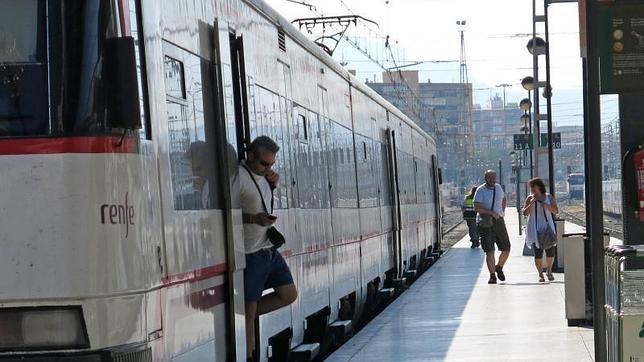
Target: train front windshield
[{"x": 51, "y": 70}]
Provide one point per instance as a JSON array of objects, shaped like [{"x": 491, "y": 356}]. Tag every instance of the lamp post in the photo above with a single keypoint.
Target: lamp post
[
  {"x": 526, "y": 105},
  {"x": 538, "y": 46},
  {"x": 516, "y": 169}
]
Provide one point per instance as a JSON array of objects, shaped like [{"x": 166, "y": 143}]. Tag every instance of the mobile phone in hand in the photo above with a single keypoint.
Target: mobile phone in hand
[{"x": 272, "y": 217}]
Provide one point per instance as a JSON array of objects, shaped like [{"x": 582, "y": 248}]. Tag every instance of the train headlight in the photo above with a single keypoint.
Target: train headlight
[{"x": 42, "y": 328}]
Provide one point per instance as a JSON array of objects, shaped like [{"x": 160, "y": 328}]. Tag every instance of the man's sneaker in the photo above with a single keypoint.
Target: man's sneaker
[
  {"x": 492, "y": 279},
  {"x": 499, "y": 273}
]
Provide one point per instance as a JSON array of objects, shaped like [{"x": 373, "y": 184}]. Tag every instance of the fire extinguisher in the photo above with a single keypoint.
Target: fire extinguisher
[{"x": 638, "y": 160}]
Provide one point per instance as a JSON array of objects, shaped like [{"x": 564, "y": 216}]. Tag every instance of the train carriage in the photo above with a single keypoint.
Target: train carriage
[{"x": 121, "y": 125}]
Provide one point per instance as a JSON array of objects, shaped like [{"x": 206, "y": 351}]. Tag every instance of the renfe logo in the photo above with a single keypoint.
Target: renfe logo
[{"x": 118, "y": 215}]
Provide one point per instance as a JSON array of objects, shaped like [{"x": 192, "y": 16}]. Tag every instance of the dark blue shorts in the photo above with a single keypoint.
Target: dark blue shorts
[{"x": 265, "y": 269}]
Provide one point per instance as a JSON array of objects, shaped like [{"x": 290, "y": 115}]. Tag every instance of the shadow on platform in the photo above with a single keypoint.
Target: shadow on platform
[
  {"x": 423, "y": 321},
  {"x": 452, "y": 314}
]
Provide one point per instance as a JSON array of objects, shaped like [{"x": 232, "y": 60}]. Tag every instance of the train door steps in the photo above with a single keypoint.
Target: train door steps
[
  {"x": 305, "y": 352},
  {"x": 430, "y": 259},
  {"x": 385, "y": 293},
  {"x": 399, "y": 283},
  {"x": 343, "y": 326},
  {"x": 410, "y": 274},
  {"x": 341, "y": 330},
  {"x": 450, "y": 313}
]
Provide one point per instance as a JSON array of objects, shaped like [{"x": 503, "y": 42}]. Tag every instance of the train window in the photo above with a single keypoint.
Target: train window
[
  {"x": 174, "y": 82},
  {"x": 302, "y": 128},
  {"x": 22, "y": 35},
  {"x": 311, "y": 172},
  {"x": 191, "y": 118},
  {"x": 23, "y": 58},
  {"x": 343, "y": 174},
  {"x": 269, "y": 116},
  {"x": 366, "y": 167},
  {"x": 60, "y": 85},
  {"x": 386, "y": 195}
]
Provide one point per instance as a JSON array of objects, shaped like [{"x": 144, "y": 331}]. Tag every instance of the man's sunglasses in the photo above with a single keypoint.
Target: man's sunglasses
[{"x": 266, "y": 164}]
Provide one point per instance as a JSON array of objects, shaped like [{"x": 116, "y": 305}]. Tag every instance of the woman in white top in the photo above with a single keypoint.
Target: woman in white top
[{"x": 540, "y": 208}]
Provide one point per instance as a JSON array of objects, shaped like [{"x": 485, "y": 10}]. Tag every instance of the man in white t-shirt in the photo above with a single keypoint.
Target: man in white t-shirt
[
  {"x": 265, "y": 266},
  {"x": 490, "y": 203}
]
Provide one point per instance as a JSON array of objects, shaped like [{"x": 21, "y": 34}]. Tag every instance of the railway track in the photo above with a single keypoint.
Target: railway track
[
  {"x": 612, "y": 224},
  {"x": 451, "y": 228},
  {"x": 452, "y": 218}
]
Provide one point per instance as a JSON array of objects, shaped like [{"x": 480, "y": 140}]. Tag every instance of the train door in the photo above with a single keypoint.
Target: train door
[
  {"x": 195, "y": 180},
  {"x": 325, "y": 128},
  {"x": 396, "y": 210},
  {"x": 235, "y": 127},
  {"x": 436, "y": 177}
]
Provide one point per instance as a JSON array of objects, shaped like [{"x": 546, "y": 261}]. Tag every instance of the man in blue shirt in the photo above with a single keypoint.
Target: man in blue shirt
[{"x": 490, "y": 203}]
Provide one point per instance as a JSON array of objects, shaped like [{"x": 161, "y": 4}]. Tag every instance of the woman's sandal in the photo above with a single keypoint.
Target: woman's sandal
[
  {"x": 541, "y": 278},
  {"x": 550, "y": 277}
]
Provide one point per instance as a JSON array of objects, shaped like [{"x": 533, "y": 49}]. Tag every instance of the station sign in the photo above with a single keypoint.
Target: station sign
[
  {"x": 522, "y": 142},
  {"x": 556, "y": 140},
  {"x": 621, "y": 47}
]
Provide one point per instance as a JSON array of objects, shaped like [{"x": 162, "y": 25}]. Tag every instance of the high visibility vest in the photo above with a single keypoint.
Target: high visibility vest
[{"x": 468, "y": 208}]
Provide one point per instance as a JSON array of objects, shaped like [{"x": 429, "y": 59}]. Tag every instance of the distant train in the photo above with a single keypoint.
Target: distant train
[
  {"x": 612, "y": 197},
  {"x": 611, "y": 193},
  {"x": 121, "y": 126},
  {"x": 576, "y": 182}
]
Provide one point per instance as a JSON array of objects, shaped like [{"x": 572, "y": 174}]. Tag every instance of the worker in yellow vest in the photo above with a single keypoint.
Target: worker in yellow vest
[{"x": 469, "y": 215}]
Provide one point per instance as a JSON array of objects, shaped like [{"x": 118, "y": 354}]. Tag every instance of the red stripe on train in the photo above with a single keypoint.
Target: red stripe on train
[
  {"x": 195, "y": 275},
  {"x": 51, "y": 145}
]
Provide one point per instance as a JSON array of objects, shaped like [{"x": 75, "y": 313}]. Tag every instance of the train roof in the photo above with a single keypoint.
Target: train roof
[{"x": 315, "y": 50}]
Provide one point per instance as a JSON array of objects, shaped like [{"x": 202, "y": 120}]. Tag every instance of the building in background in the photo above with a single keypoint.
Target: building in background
[
  {"x": 494, "y": 130},
  {"x": 443, "y": 110}
]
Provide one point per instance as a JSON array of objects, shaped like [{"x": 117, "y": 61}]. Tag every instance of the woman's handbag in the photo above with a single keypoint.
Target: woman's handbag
[
  {"x": 546, "y": 238},
  {"x": 274, "y": 236},
  {"x": 487, "y": 221}
]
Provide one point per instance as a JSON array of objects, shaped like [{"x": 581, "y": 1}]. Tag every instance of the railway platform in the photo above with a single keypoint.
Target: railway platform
[{"x": 452, "y": 314}]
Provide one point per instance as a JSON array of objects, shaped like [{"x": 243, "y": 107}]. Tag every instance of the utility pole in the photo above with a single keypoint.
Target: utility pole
[
  {"x": 503, "y": 85},
  {"x": 465, "y": 123},
  {"x": 463, "y": 61}
]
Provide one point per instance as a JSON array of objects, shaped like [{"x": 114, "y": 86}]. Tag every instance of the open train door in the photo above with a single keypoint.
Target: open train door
[
  {"x": 438, "y": 180},
  {"x": 233, "y": 136},
  {"x": 392, "y": 159}
]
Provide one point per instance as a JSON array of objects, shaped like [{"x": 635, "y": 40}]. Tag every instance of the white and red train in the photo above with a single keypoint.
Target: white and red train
[{"x": 121, "y": 124}]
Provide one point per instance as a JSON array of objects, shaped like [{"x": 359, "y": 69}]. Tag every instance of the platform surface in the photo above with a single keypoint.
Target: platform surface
[{"x": 452, "y": 314}]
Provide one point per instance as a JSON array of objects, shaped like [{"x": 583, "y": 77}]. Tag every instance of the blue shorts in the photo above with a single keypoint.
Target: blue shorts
[{"x": 265, "y": 269}]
